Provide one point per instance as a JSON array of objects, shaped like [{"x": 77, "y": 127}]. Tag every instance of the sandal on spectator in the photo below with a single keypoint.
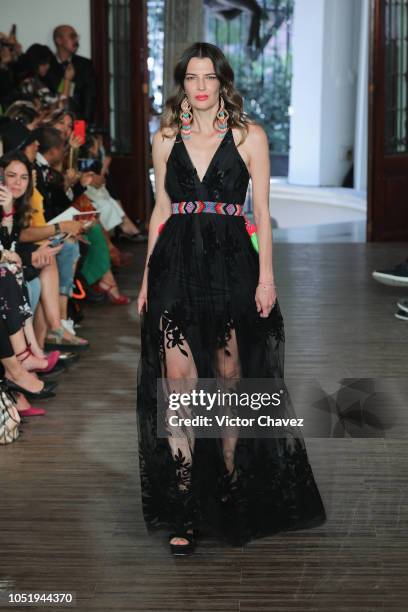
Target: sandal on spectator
[
  {"x": 125, "y": 259},
  {"x": 55, "y": 340},
  {"x": 115, "y": 299}
]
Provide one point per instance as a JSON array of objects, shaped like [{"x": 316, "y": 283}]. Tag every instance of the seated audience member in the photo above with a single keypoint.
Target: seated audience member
[
  {"x": 17, "y": 137},
  {"x": 55, "y": 201},
  {"x": 63, "y": 120},
  {"x": 83, "y": 90},
  {"x": 24, "y": 112},
  {"x": 33, "y": 67},
  {"x": 15, "y": 308},
  {"x": 96, "y": 267},
  {"x": 111, "y": 211}
]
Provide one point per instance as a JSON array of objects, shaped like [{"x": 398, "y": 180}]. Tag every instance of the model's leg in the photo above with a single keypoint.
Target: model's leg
[
  {"x": 229, "y": 371},
  {"x": 179, "y": 376}
]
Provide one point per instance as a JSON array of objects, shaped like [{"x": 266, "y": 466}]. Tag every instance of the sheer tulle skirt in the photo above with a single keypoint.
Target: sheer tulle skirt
[{"x": 202, "y": 322}]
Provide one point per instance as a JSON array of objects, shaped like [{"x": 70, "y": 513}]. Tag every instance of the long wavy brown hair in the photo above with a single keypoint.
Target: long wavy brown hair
[
  {"x": 22, "y": 206},
  {"x": 232, "y": 99}
]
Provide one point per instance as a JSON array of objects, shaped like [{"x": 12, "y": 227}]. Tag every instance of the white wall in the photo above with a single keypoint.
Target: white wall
[
  {"x": 325, "y": 60},
  {"x": 36, "y": 19}
]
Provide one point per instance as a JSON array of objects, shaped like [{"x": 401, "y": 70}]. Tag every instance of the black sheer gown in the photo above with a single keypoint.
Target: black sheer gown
[{"x": 202, "y": 322}]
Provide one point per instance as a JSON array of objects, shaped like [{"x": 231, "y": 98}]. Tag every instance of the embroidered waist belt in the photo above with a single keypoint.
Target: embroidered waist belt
[
  {"x": 219, "y": 208},
  {"x": 198, "y": 206}
]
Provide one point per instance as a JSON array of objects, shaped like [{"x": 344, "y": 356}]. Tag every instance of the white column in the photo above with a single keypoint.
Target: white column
[
  {"x": 306, "y": 98},
  {"x": 361, "y": 133},
  {"x": 323, "y": 92}
]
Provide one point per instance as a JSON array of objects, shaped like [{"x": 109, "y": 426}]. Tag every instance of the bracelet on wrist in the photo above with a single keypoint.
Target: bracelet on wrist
[
  {"x": 9, "y": 214},
  {"x": 57, "y": 228}
]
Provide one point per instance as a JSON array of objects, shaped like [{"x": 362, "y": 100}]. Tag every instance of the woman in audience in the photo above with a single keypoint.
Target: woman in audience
[
  {"x": 33, "y": 67},
  {"x": 24, "y": 112},
  {"x": 96, "y": 266},
  {"x": 111, "y": 211},
  {"x": 15, "y": 310},
  {"x": 17, "y": 137}
]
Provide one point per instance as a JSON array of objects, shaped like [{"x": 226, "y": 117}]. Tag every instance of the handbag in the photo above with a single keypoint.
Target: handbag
[{"x": 9, "y": 417}]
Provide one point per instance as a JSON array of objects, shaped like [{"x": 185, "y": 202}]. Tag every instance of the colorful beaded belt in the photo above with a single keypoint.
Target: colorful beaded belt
[
  {"x": 198, "y": 206},
  {"x": 220, "y": 208}
]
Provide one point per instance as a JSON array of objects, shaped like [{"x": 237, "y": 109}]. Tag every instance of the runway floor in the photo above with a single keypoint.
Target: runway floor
[{"x": 70, "y": 493}]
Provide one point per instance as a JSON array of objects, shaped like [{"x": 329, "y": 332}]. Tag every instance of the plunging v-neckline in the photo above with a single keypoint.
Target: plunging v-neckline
[{"x": 201, "y": 181}]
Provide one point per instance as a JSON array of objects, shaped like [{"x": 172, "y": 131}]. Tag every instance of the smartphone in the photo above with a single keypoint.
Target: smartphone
[
  {"x": 80, "y": 130},
  {"x": 58, "y": 239},
  {"x": 85, "y": 165},
  {"x": 1, "y": 176}
]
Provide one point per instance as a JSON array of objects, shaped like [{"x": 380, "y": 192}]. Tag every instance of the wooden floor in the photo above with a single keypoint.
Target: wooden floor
[{"x": 70, "y": 494}]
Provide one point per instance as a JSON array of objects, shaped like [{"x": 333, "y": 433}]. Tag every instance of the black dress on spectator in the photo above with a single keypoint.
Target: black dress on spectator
[{"x": 14, "y": 301}]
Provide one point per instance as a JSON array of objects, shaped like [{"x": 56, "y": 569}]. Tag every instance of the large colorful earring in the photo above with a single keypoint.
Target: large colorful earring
[
  {"x": 222, "y": 119},
  {"x": 185, "y": 116}
]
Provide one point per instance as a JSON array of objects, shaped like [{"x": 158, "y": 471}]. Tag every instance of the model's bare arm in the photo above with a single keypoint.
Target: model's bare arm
[{"x": 259, "y": 166}]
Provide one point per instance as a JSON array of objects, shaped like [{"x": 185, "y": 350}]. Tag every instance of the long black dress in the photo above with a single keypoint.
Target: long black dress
[{"x": 203, "y": 273}]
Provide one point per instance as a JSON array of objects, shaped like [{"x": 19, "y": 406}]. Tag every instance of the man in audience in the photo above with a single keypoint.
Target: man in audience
[
  {"x": 83, "y": 86},
  {"x": 51, "y": 186}
]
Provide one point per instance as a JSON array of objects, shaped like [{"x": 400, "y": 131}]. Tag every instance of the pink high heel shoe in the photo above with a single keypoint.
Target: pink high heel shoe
[
  {"x": 52, "y": 359},
  {"x": 31, "y": 411}
]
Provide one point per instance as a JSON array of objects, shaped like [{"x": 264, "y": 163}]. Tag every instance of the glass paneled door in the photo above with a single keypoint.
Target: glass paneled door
[
  {"x": 119, "y": 52},
  {"x": 119, "y": 75},
  {"x": 388, "y": 122}
]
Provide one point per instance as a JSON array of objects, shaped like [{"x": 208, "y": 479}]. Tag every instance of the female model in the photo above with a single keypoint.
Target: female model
[{"x": 208, "y": 310}]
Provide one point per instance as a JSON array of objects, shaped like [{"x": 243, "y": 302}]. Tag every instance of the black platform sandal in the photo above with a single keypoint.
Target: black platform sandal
[{"x": 182, "y": 549}]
